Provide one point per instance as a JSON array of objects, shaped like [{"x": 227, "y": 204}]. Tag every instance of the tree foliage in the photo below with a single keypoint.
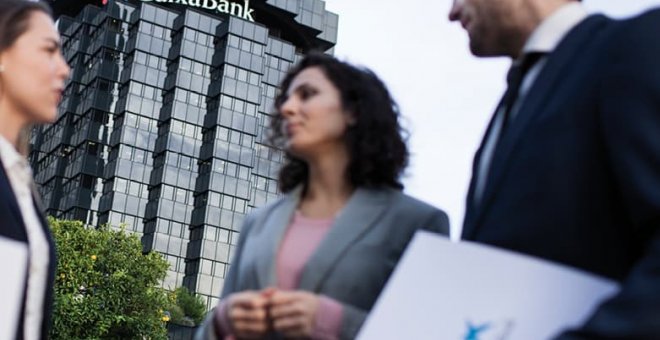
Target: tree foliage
[
  {"x": 105, "y": 287},
  {"x": 186, "y": 308}
]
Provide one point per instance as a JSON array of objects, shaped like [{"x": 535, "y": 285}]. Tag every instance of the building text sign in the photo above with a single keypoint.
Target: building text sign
[{"x": 223, "y": 6}]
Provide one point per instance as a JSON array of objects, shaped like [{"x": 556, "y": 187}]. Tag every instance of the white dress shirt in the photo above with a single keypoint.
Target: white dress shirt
[
  {"x": 544, "y": 39},
  {"x": 20, "y": 177}
]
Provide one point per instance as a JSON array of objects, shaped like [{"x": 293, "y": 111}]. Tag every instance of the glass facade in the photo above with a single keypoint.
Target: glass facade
[{"x": 162, "y": 127}]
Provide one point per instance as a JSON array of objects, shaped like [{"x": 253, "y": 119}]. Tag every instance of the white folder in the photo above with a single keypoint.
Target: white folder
[
  {"x": 466, "y": 291},
  {"x": 13, "y": 267}
]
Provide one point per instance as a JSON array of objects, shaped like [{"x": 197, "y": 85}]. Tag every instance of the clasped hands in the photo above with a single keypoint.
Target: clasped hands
[{"x": 253, "y": 314}]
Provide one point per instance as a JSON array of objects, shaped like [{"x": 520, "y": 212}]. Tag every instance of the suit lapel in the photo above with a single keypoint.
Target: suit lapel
[
  {"x": 274, "y": 226},
  {"x": 16, "y": 228},
  {"x": 357, "y": 217},
  {"x": 470, "y": 206},
  {"x": 539, "y": 93}
]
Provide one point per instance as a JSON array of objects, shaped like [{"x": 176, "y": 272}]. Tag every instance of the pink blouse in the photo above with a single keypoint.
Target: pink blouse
[{"x": 300, "y": 241}]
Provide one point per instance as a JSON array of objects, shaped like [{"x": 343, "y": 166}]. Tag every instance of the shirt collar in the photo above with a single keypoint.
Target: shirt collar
[
  {"x": 552, "y": 30},
  {"x": 9, "y": 156}
]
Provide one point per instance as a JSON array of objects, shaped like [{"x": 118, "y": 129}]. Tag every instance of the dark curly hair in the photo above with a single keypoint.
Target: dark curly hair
[{"x": 376, "y": 146}]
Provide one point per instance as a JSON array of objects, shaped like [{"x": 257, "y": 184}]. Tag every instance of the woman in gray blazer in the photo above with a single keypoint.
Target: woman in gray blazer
[{"x": 312, "y": 264}]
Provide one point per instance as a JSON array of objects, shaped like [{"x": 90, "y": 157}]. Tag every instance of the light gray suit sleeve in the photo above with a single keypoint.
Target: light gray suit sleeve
[
  {"x": 351, "y": 322},
  {"x": 207, "y": 330},
  {"x": 231, "y": 280},
  {"x": 438, "y": 222},
  {"x": 353, "y": 318}
]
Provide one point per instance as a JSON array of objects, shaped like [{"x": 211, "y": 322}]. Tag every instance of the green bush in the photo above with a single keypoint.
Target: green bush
[
  {"x": 186, "y": 308},
  {"x": 105, "y": 288}
]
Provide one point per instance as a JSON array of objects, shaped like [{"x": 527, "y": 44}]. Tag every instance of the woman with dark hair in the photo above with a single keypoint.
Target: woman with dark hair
[
  {"x": 312, "y": 264},
  {"x": 32, "y": 76}
]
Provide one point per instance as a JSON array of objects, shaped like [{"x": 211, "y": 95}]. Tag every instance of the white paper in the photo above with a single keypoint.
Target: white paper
[
  {"x": 14, "y": 269},
  {"x": 466, "y": 291}
]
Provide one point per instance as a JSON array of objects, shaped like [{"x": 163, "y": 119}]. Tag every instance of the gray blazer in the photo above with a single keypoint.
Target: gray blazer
[{"x": 353, "y": 261}]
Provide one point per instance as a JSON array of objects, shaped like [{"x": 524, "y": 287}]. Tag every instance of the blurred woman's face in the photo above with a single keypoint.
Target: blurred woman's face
[
  {"x": 34, "y": 72},
  {"x": 315, "y": 120}
]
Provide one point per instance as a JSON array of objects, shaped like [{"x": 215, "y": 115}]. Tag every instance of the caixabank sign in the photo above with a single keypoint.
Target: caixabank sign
[{"x": 238, "y": 9}]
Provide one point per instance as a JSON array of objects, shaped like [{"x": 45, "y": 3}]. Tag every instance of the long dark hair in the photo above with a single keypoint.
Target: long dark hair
[
  {"x": 14, "y": 20},
  {"x": 377, "y": 150},
  {"x": 14, "y": 15}
]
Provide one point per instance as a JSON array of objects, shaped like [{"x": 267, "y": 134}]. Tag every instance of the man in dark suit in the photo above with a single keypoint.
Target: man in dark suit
[{"x": 569, "y": 169}]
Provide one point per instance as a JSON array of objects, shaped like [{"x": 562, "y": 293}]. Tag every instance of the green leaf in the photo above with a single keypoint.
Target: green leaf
[{"x": 105, "y": 288}]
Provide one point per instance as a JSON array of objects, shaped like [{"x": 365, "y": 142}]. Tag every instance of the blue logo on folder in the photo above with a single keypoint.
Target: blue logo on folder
[
  {"x": 473, "y": 331},
  {"x": 493, "y": 330}
]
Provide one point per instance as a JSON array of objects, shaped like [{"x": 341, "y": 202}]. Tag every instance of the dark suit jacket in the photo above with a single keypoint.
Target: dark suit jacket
[
  {"x": 13, "y": 227},
  {"x": 576, "y": 179},
  {"x": 354, "y": 260}
]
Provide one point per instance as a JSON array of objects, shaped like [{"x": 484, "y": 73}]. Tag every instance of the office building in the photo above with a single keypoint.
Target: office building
[{"x": 162, "y": 123}]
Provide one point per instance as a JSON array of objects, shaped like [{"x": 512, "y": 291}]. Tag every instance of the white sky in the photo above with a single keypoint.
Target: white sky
[{"x": 445, "y": 94}]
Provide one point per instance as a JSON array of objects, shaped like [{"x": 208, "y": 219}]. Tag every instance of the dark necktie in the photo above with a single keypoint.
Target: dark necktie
[{"x": 514, "y": 80}]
